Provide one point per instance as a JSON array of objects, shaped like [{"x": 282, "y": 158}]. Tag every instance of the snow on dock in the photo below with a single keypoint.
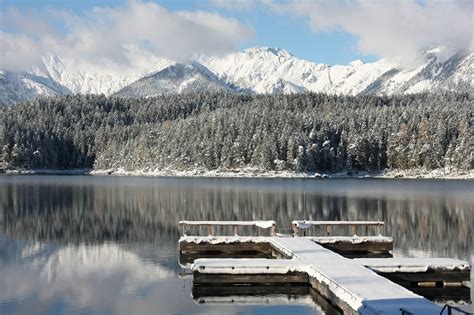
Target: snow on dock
[
  {"x": 265, "y": 224},
  {"x": 351, "y": 239},
  {"x": 259, "y": 239},
  {"x": 390, "y": 265},
  {"x": 357, "y": 246},
  {"x": 261, "y": 224},
  {"x": 278, "y": 299},
  {"x": 306, "y": 224},
  {"x": 248, "y": 266},
  {"x": 348, "y": 246},
  {"x": 215, "y": 240},
  {"x": 357, "y": 288},
  {"x": 353, "y": 287}
]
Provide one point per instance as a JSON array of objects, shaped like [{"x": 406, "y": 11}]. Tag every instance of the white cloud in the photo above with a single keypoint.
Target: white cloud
[
  {"x": 16, "y": 51},
  {"x": 235, "y": 4},
  {"x": 102, "y": 34},
  {"x": 389, "y": 28}
]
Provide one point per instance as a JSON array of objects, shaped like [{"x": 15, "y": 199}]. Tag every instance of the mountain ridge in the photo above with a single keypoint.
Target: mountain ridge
[{"x": 256, "y": 70}]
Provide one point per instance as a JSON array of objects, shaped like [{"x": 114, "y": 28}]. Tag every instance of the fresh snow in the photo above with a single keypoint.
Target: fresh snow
[
  {"x": 224, "y": 239},
  {"x": 251, "y": 172},
  {"x": 413, "y": 264},
  {"x": 16, "y": 87},
  {"x": 351, "y": 239},
  {"x": 358, "y": 286},
  {"x": 273, "y": 70},
  {"x": 260, "y": 223},
  {"x": 254, "y": 70},
  {"x": 277, "y": 299},
  {"x": 104, "y": 78},
  {"x": 306, "y": 224},
  {"x": 283, "y": 266},
  {"x": 247, "y": 266}
]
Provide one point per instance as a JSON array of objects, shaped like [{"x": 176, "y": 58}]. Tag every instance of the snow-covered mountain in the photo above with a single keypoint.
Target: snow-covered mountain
[
  {"x": 265, "y": 70},
  {"x": 178, "y": 78},
  {"x": 101, "y": 78},
  {"x": 270, "y": 70},
  {"x": 20, "y": 86},
  {"x": 254, "y": 70}
]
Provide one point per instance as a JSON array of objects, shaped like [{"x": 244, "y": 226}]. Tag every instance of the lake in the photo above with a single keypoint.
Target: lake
[{"x": 109, "y": 244}]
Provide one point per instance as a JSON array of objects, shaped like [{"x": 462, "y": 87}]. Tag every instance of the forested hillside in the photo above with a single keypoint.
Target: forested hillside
[{"x": 208, "y": 131}]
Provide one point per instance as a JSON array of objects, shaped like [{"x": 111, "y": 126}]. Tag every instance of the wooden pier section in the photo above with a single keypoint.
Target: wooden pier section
[{"x": 350, "y": 286}]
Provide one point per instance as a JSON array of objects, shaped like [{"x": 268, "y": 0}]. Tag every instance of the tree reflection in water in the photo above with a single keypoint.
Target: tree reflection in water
[
  {"x": 75, "y": 244},
  {"x": 425, "y": 217}
]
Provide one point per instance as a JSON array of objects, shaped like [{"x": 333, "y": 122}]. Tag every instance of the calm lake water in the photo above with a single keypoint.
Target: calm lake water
[{"x": 109, "y": 245}]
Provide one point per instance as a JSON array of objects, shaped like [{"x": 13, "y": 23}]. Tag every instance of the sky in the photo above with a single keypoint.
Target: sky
[{"x": 331, "y": 32}]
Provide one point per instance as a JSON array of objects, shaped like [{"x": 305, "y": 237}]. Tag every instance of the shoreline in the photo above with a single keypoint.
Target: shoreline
[{"x": 252, "y": 173}]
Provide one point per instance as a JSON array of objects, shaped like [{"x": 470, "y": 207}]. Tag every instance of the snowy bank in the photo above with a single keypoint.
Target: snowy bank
[{"x": 250, "y": 172}]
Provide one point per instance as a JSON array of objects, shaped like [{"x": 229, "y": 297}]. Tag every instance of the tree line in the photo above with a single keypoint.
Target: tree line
[{"x": 207, "y": 131}]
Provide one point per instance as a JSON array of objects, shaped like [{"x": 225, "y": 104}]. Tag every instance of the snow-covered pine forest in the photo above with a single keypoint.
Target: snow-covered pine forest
[{"x": 222, "y": 131}]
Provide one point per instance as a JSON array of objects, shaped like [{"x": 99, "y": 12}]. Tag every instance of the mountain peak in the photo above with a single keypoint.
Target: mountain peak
[
  {"x": 440, "y": 52},
  {"x": 268, "y": 50},
  {"x": 184, "y": 77},
  {"x": 356, "y": 63}
]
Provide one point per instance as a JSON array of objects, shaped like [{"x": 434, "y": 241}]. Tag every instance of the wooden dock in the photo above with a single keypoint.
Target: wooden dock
[{"x": 351, "y": 286}]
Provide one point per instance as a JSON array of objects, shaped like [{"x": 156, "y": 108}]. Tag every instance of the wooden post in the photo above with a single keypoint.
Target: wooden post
[
  {"x": 354, "y": 230},
  {"x": 236, "y": 230},
  {"x": 209, "y": 229},
  {"x": 378, "y": 229},
  {"x": 273, "y": 230},
  {"x": 184, "y": 229},
  {"x": 328, "y": 230},
  {"x": 259, "y": 231},
  {"x": 295, "y": 230}
]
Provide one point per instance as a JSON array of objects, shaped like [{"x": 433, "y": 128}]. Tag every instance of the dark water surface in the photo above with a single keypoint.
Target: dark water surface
[{"x": 108, "y": 245}]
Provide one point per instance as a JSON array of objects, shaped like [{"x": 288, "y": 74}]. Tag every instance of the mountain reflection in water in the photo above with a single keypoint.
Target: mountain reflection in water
[{"x": 72, "y": 244}]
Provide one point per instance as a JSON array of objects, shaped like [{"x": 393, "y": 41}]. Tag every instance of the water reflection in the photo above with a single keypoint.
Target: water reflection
[
  {"x": 107, "y": 278},
  {"x": 426, "y": 217},
  {"x": 109, "y": 244}
]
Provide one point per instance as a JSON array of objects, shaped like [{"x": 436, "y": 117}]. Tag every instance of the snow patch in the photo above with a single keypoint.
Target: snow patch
[
  {"x": 224, "y": 239},
  {"x": 351, "y": 239},
  {"x": 413, "y": 264}
]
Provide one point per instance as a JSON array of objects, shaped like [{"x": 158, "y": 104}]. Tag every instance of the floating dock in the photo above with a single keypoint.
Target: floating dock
[{"x": 350, "y": 286}]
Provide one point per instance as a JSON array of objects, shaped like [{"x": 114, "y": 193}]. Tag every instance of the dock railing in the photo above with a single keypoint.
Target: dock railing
[
  {"x": 296, "y": 225},
  {"x": 261, "y": 224},
  {"x": 450, "y": 309}
]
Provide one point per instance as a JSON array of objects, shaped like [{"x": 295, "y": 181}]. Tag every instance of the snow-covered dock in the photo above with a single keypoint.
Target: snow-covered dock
[
  {"x": 306, "y": 224},
  {"x": 348, "y": 246},
  {"x": 353, "y": 286},
  {"x": 192, "y": 247},
  {"x": 450, "y": 277},
  {"x": 261, "y": 224}
]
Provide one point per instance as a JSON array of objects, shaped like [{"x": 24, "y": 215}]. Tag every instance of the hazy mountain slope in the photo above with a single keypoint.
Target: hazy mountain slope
[
  {"x": 20, "y": 86},
  {"x": 435, "y": 73},
  {"x": 104, "y": 78},
  {"x": 178, "y": 78}
]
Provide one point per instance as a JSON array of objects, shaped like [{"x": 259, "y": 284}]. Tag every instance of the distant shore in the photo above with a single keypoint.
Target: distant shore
[{"x": 250, "y": 173}]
